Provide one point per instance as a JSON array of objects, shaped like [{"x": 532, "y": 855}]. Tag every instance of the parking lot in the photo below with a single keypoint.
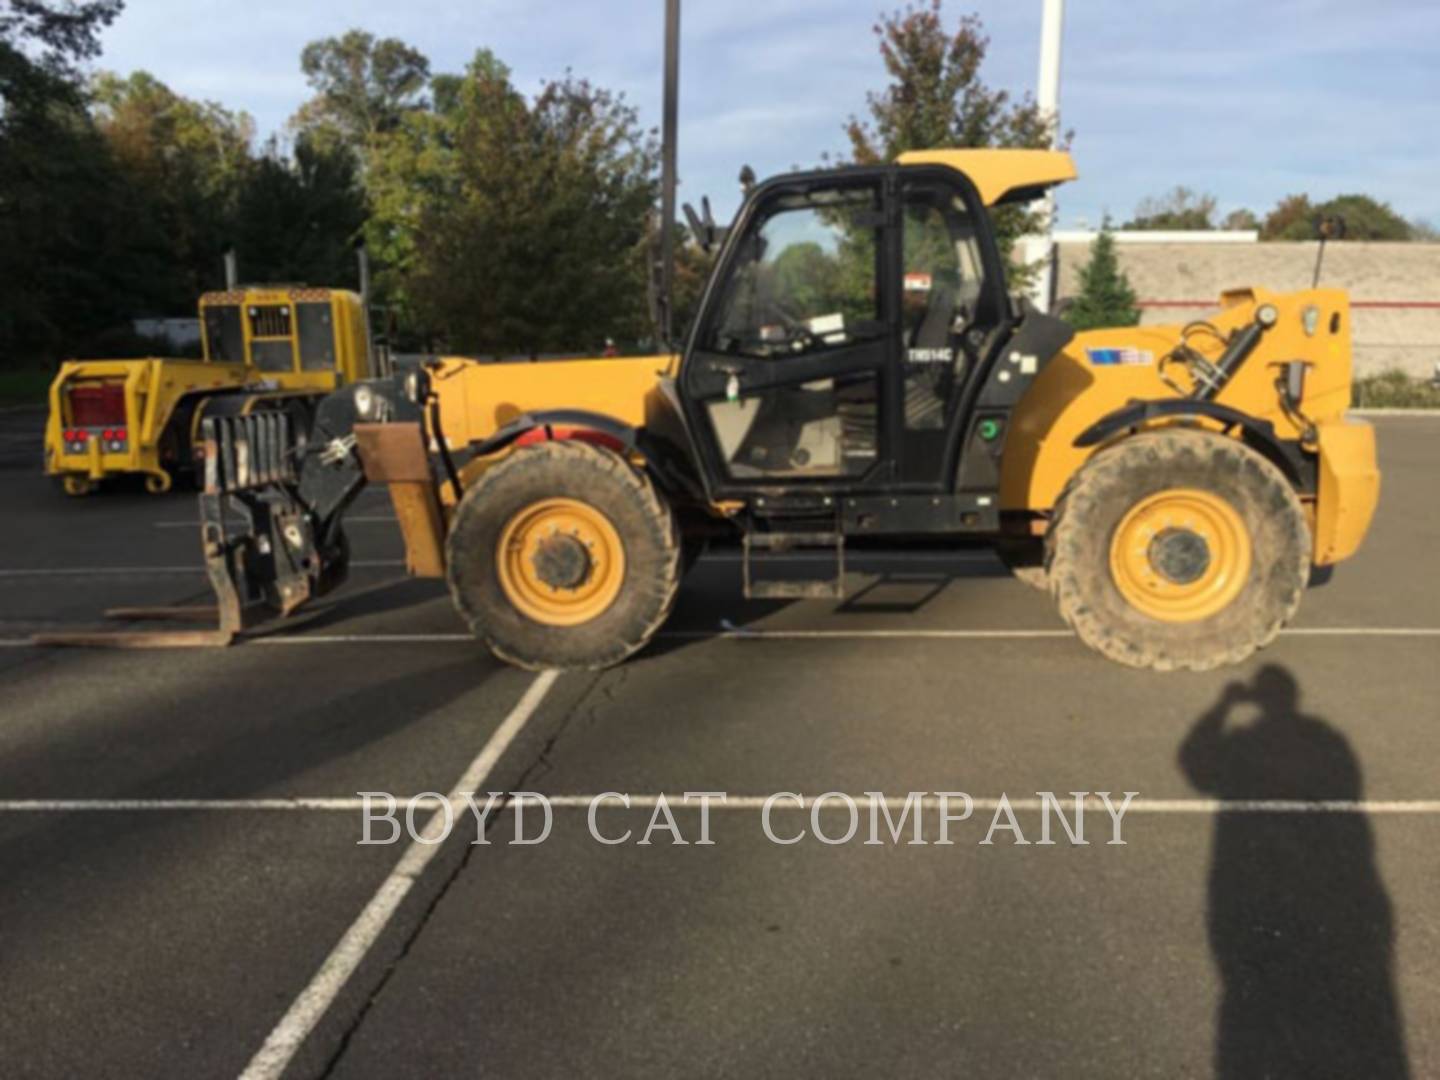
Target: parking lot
[{"x": 179, "y": 856}]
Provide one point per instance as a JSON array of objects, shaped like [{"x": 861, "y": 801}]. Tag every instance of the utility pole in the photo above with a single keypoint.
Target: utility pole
[
  {"x": 1047, "y": 97},
  {"x": 668, "y": 179}
]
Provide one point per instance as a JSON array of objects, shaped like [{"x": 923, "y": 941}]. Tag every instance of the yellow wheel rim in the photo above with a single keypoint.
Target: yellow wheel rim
[
  {"x": 560, "y": 562},
  {"x": 1180, "y": 556}
]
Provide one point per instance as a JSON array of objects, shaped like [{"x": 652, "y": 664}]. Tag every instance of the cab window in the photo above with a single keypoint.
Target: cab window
[
  {"x": 804, "y": 279},
  {"x": 941, "y": 295},
  {"x": 224, "y": 337},
  {"x": 317, "y": 335}
]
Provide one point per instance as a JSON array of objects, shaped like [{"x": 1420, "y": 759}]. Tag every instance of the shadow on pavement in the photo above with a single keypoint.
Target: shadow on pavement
[{"x": 1299, "y": 920}]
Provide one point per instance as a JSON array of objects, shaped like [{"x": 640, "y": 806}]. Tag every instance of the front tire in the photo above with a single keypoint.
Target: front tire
[
  {"x": 563, "y": 556},
  {"x": 1178, "y": 549}
]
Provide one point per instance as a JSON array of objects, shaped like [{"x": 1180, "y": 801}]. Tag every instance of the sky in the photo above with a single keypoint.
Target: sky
[{"x": 1249, "y": 100}]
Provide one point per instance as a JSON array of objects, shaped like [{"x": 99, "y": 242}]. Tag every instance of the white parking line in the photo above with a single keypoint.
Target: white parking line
[
  {"x": 272, "y": 1058},
  {"x": 676, "y": 801},
  {"x": 356, "y": 519},
  {"x": 143, "y": 571}
]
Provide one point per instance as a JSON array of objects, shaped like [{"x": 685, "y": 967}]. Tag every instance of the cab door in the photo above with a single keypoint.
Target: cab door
[
  {"x": 786, "y": 381},
  {"x": 953, "y": 317}
]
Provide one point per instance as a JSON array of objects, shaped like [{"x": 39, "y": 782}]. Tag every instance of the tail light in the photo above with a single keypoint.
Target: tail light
[{"x": 97, "y": 404}]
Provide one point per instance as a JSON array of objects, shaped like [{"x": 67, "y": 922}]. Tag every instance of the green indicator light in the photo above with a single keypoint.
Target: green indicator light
[{"x": 989, "y": 429}]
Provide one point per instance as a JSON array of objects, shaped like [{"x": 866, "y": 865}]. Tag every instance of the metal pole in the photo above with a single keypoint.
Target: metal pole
[
  {"x": 232, "y": 276},
  {"x": 668, "y": 179},
  {"x": 1047, "y": 98},
  {"x": 362, "y": 258}
]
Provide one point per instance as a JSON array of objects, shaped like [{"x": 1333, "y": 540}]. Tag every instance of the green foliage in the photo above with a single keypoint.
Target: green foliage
[
  {"x": 1394, "y": 390},
  {"x": 26, "y": 386},
  {"x": 936, "y": 98},
  {"x": 1179, "y": 208},
  {"x": 58, "y": 200},
  {"x": 1365, "y": 218},
  {"x": 183, "y": 163},
  {"x": 1106, "y": 298},
  {"x": 534, "y": 239},
  {"x": 298, "y": 218},
  {"x": 364, "y": 86}
]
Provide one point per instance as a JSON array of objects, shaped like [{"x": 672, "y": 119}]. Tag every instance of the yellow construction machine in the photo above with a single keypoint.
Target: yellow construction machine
[
  {"x": 857, "y": 371},
  {"x": 262, "y": 349}
]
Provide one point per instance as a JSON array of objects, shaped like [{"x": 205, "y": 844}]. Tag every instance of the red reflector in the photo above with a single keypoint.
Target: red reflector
[
  {"x": 108, "y": 435},
  {"x": 120, "y": 434}
]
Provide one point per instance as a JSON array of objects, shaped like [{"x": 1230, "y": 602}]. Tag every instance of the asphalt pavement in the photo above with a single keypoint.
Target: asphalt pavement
[{"x": 182, "y": 892}]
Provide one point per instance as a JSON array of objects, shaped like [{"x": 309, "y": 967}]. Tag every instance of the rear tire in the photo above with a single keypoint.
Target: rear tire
[
  {"x": 1178, "y": 549},
  {"x": 563, "y": 556}
]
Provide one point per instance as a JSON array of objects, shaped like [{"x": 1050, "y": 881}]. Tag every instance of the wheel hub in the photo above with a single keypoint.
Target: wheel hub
[
  {"x": 1180, "y": 556},
  {"x": 561, "y": 562}
]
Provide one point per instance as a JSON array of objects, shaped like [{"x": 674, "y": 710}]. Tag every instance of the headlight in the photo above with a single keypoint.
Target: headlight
[
  {"x": 1266, "y": 315},
  {"x": 364, "y": 402}
]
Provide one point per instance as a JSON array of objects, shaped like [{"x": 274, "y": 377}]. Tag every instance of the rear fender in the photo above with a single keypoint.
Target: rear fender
[{"x": 1298, "y": 465}]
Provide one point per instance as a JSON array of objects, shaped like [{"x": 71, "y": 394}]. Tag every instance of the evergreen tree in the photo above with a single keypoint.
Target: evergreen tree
[{"x": 1106, "y": 298}]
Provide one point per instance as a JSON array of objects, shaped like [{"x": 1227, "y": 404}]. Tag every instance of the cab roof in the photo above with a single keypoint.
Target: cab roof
[{"x": 1002, "y": 176}]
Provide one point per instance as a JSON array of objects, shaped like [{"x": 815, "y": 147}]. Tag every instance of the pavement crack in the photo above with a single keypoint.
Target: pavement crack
[{"x": 538, "y": 767}]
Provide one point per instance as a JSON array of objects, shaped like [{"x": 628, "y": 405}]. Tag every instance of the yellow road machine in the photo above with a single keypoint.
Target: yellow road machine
[
  {"x": 857, "y": 371},
  {"x": 272, "y": 348}
]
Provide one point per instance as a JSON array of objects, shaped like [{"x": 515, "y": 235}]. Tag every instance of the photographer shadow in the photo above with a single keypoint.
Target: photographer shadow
[{"x": 1298, "y": 917}]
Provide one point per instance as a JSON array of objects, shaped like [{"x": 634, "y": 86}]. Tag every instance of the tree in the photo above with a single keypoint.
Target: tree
[
  {"x": 1241, "y": 220},
  {"x": 184, "y": 162},
  {"x": 1292, "y": 219},
  {"x": 41, "y": 41},
  {"x": 1179, "y": 208},
  {"x": 364, "y": 87},
  {"x": 936, "y": 98},
  {"x": 58, "y": 200},
  {"x": 299, "y": 217},
  {"x": 537, "y": 242},
  {"x": 1295, "y": 217},
  {"x": 1366, "y": 218},
  {"x": 1106, "y": 297}
]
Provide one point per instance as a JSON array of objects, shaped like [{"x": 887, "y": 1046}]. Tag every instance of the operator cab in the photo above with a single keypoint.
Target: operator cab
[
  {"x": 856, "y": 333},
  {"x": 294, "y": 335}
]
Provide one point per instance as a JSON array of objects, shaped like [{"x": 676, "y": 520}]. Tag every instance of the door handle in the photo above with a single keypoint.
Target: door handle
[{"x": 727, "y": 367}]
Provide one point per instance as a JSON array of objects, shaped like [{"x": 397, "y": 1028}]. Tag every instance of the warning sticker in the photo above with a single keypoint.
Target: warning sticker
[{"x": 1121, "y": 357}]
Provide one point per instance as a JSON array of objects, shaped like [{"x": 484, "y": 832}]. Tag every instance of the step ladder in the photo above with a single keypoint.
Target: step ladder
[{"x": 819, "y": 588}]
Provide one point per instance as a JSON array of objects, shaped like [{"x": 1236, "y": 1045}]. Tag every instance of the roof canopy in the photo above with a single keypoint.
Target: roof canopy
[{"x": 1002, "y": 176}]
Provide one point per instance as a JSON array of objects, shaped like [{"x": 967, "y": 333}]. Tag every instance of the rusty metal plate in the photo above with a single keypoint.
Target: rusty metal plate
[{"x": 393, "y": 453}]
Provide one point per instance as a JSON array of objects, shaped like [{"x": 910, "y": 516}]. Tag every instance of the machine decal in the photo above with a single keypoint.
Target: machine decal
[
  {"x": 1121, "y": 357},
  {"x": 930, "y": 356}
]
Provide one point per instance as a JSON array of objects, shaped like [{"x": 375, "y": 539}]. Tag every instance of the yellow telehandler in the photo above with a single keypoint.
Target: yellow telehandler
[{"x": 857, "y": 370}]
